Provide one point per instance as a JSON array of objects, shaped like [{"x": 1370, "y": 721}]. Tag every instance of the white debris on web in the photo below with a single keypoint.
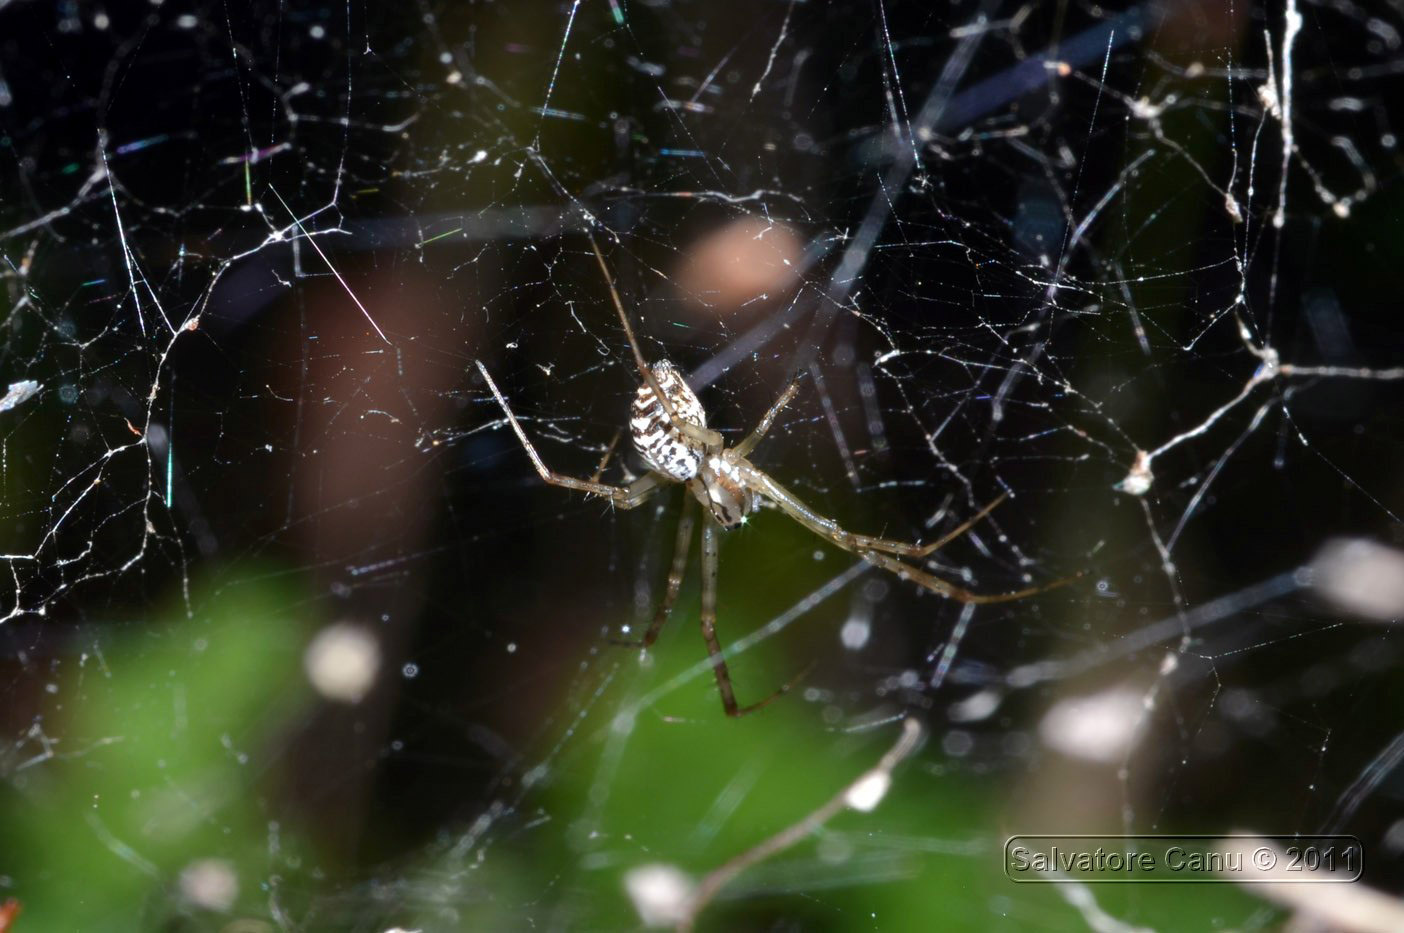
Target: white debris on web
[
  {"x": 1101, "y": 727},
  {"x": 1361, "y": 577},
  {"x": 1138, "y": 481},
  {"x": 660, "y": 893},
  {"x": 341, "y": 662},
  {"x": 211, "y": 884},
  {"x": 18, "y": 394}
]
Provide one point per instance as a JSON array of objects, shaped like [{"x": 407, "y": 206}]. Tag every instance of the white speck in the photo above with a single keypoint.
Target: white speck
[
  {"x": 1361, "y": 577},
  {"x": 957, "y": 743},
  {"x": 479, "y": 156},
  {"x": 454, "y": 77},
  {"x": 100, "y": 21},
  {"x": 511, "y": 647},
  {"x": 342, "y": 661},
  {"x": 410, "y": 671},
  {"x": 210, "y": 883},
  {"x": 660, "y": 893},
  {"x": 855, "y": 633},
  {"x": 975, "y": 707},
  {"x": 1101, "y": 727},
  {"x": 867, "y": 793},
  {"x": 186, "y": 22},
  {"x": 19, "y": 393},
  {"x": 318, "y": 31}
]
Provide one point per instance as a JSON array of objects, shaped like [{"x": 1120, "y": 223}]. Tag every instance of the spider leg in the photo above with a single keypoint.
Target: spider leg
[
  {"x": 675, "y": 575},
  {"x": 710, "y": 531},
  {"x": 908, "y": 550},
  {"x": 937, "y": 585},
  {"x": 609, "y": 452},
  {"x": 791, "y": 505},
  {"x": 744, "y": 448},
  {"x": 872, "y": 549},
  {"x": 625, "y": 497},
  {"x": 708, "y": 438}
]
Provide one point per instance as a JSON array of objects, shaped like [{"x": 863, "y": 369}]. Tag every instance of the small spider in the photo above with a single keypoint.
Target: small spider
[{"x": 669, "y": 431}]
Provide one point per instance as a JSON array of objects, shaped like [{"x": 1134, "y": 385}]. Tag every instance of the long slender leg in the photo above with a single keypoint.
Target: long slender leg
[
  {"x": 951, "y": 535},
  {"x": 609, "y": 452},
  {"x": 791, "y": 504},
  {"x": 871, "y": 549},
  {"x": 744, "y": 448},
  {"x": 675, "y": 574},
  {"x": 710, "y": 530},
  {"x": 708, "y": 438},
  {"x": 625, "y": 497},
  {"x": 937, "y": 585}
]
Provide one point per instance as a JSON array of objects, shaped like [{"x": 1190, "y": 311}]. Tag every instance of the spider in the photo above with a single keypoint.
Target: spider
[{"x": 669, "y": 430}]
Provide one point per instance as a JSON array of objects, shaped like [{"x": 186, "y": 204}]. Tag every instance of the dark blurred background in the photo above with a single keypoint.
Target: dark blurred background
[{"x": 295, "y": 638}]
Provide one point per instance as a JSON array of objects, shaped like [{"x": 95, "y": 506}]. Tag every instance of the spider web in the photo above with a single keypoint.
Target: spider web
[{"x": 296, "y": 635}]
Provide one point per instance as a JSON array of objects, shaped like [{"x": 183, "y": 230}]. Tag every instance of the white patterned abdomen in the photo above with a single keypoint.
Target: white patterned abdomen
[{"x": 663, "y": 447}]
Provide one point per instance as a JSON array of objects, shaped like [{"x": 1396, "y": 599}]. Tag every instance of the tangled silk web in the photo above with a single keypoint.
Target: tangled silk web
[{"x": 296, "y": 635}]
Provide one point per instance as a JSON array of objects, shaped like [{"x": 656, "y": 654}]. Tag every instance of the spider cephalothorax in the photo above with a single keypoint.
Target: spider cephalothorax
[
  {"x": 669, "y": 430},
  {"x": 721, "y": 487}
]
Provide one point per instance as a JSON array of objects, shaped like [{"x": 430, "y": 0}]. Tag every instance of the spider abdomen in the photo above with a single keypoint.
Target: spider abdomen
[{"x": 663, "y": 447}]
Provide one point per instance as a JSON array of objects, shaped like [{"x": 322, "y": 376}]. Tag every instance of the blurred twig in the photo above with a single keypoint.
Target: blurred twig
[{"x": 862, "y": 794}]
